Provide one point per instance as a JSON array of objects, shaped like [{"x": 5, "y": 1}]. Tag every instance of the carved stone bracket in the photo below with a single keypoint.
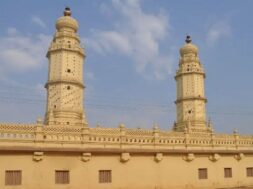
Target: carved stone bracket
[
  {"x": 214, "y": 157},
  {"x": 158, "y": 157},
  {"x": 38, "y": 156},
  {"x": 239, "y": 156},
  {"x": 189, "y": 157},
  {"x": 86, "y": 157},
  {"x": 125, "y": 157}
]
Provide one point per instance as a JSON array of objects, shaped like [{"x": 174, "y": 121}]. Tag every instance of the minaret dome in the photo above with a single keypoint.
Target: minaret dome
[
  {"x": 188, "y": 47},
  {"x": 66, "y": 21}
]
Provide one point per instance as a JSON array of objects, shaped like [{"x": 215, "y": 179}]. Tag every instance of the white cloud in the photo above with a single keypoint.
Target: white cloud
[
  {"x": 218, "y": 31},
  {"x": 22, "y": 53},
  {"x": 137, "y": 35},
  {"x": 12, "y": 31},
  {"x": 37, "y": 20}
]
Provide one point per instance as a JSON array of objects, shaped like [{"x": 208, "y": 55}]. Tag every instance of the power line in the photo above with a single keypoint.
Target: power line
[
  {"x": 123, "y": 107},
  {"x": 102, "y": 102}
]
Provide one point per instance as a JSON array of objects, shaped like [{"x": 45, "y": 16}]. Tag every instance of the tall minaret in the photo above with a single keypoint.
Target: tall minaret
[
  {"x": 65, "y": 77},
  {"x": 191, "y": 111}
]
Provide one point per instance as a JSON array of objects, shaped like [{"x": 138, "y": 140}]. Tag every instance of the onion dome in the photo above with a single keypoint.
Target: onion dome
[
  {"x": 66, "y": 21},
  {"x": 188, "y": 47}
]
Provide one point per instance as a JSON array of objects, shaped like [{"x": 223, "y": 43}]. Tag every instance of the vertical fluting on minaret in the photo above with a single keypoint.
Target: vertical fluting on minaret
[
  {"x": 190, "y": 103},
  {"x": 65, "y": 76}
]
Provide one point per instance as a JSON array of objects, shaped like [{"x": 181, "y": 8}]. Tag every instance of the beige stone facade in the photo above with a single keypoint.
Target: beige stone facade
[{"x": 64, "y": 152}]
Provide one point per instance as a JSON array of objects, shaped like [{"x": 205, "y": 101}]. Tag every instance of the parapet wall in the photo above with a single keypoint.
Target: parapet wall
[{"x": 137, "y": 140}]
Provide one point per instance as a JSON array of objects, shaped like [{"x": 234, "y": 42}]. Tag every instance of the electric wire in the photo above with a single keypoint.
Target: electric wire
[{"x": 22, "y": 96}]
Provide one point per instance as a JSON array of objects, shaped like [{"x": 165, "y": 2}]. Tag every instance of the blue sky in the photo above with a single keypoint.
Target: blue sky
[{"x": 132, "y": 54}]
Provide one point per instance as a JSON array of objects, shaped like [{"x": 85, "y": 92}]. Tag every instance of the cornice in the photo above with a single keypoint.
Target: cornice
[
  {"x": 62, "y": 47},
  {"x": 27, "y": 149},
  {"x": 65, "y": 81},
  {"x": 190, "y": 98},
  {"x": 188, "y": 73}
]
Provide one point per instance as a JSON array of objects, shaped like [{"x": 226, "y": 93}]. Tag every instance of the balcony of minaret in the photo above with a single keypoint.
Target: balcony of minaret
[{"x": 65, "y": 46}]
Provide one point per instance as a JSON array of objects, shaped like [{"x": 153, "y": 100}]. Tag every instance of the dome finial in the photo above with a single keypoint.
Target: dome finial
[
  {"x": 188, "y": 39},
  {"x": 67, "y": 11},
  {"x": 188, "y": 47}
]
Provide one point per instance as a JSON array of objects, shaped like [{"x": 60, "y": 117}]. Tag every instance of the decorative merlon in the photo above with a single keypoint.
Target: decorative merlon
[
  {"x": 38, "y": 156},
  {"x": 86, "y": 157}
]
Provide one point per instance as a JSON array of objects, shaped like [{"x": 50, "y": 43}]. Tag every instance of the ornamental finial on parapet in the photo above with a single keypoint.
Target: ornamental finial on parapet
[
  {"x": 39, "y": 121},
  {"x": 122, "y": 126},
  {"x": 235, "y": 132},
  {"x": 155, "y": 127},
  {"x": 209, "y": 124}
]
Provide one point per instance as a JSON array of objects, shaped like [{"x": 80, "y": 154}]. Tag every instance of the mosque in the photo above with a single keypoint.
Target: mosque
[{"x": 63, "y": 152}]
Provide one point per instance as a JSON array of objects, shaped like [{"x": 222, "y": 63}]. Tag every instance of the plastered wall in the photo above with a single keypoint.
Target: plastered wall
[{"x": 139, "y": 172}]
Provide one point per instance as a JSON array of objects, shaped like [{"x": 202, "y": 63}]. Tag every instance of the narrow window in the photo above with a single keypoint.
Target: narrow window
[
  {"x": 203, "y": 173},
  {"x": 61, "y": 177},
  {"x": 105, "y": 176},
  {"x": 249, "y": 171},
  {"x": 68, "y": 87},
  {"x": 68, "y": 70},
  {"x": 13, "y": 177},
  {"x": 228, "y": 172}
]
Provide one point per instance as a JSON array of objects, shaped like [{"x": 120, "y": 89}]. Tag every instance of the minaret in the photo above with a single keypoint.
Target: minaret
[
  {"x": 191, "y": 111},
  {"x": 65, "y": 77}
]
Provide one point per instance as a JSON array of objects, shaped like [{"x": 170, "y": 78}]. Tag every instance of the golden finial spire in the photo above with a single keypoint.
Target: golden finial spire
[
  {"x": 67, "y": 11},
  {"x": 188, "y": 39}
]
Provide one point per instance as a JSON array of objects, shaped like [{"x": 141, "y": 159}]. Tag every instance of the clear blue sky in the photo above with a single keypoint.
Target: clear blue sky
[{"x": 132, "y": 54}]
